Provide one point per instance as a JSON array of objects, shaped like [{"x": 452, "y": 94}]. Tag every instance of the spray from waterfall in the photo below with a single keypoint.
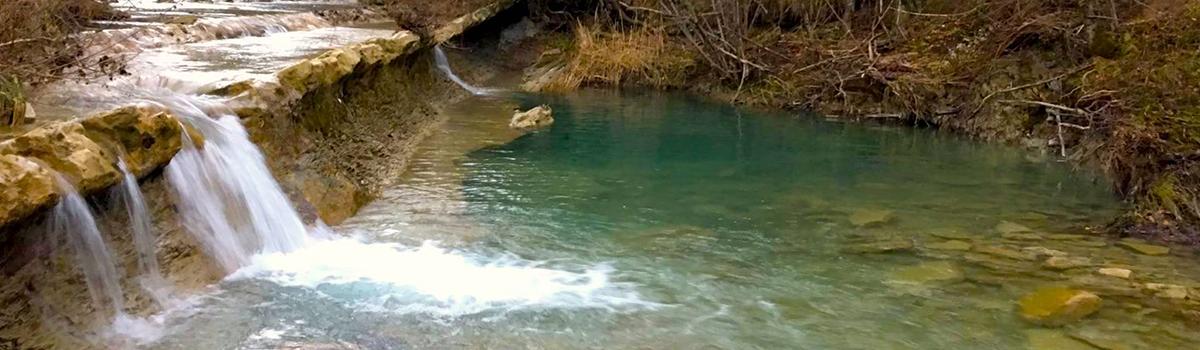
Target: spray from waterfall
[
  {"x": 226, "y": 194},
  {"x": 73, "y": 218},
  {"x": 443, "y": 64},
  {"x": 143, "y": 237}
]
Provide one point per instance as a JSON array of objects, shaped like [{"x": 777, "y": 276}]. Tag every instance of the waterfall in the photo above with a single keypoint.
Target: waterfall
[
  {"x": 143, "y": 237},
  {"x": 73, "y": 218},
  {"x": 443, "y": 64},
  {"x": 226, "y": 194}
]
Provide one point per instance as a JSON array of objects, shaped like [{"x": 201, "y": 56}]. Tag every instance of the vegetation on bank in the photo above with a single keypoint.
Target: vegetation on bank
[
  {"x": 1116, "y": 82},
  {"x": 37, "y": 45}
]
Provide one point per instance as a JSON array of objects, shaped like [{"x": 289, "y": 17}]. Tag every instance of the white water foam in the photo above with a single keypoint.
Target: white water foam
[
  {"x": 226, "y": 194},
  {"x": 436, "y": 281}
]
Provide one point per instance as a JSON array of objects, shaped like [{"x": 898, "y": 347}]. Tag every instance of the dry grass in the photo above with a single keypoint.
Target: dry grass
[
  {"x": 644, "y": 57},
  {"x": 35, "y": 36},
  {"x": 36, "y": 45}
]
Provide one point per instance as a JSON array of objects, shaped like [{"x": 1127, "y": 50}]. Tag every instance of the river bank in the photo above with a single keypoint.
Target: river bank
[{"x": 1090, "y": 83}]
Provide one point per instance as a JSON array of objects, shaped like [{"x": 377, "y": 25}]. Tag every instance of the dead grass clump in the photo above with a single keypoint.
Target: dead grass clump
[
  {"x": 643, "y": 57},
  {"x": 36, "y": 36}
]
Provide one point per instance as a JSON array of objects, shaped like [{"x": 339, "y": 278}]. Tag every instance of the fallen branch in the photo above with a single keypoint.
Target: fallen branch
[
  {"x": 985, "y": 99},
  {"x": 1075, "y": 111}
]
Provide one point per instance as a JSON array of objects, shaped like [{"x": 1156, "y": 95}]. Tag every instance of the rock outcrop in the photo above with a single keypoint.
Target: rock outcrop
[
  {"x": 85, "y": 152},
  {"x": 25, "y": 188},
  {"x": 537, "y": 117}
]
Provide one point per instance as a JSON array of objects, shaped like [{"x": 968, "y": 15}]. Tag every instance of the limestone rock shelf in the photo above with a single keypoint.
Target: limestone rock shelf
[{"x": 85, "y": 152}]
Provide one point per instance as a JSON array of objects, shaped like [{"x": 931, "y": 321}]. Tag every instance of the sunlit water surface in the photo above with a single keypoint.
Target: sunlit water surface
[{"x": 658, "y": 222}]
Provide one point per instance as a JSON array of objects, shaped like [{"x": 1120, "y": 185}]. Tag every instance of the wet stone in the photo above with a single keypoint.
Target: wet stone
[
  {"x": 1057, "y": 306},
  {"x": 871, "y": 218},
  {"x": 1043, "y": 251},
  {"x": 1060, "y": 263},
  {"x": 951, "y": 234},
  {"x": 890, "y": 245},
  {"x": 927, "y": 272},
  {"x": 952, "y": 245},
  {"x": 1011, "y": 227},
  {"x": 1003, "y": 252},
  {"x": 1144, "y": 248},
  {"x": 1166, "y": 291},
  {"x": 1052, "y": 339},
  {"x": 1065, "y": 237},
  {"x": 1021, "y": 236},
  {"x": 1090, "y": 244},
  {"x": 1115, "y": 272},
  {"x": 1100, "y": 339}
]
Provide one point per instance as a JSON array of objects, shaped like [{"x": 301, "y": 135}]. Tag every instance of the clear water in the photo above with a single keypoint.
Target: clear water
[{"x": 653, "y": 222}]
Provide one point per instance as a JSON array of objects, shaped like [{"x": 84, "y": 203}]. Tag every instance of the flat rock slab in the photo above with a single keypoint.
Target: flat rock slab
[
  {"x": 927, "y": 272},
  {"x": 952, "y": 245},
  {"x": 871, "y": 218},
  {"x": 1144, "y": 248}
]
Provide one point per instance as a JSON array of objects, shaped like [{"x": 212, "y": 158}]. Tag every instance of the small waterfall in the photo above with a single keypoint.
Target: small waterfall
[
  {"x": 73, "y": 218},
  {"x": 143, "y": 237},
  {"x": 226, "y": 194},
  {"x": 443, "y": 64}
]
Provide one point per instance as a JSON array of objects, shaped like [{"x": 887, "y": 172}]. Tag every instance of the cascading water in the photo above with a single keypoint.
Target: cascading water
[
  {"x": 443, "y": 64},
  {"x": 226, "y": 195},
  {"x": 143, "y": 237},
  {"x": 73, "y": 218}
]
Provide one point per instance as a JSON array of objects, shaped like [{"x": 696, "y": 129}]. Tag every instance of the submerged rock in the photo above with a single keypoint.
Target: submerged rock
[
  {"x": 1060, "y": 263},
  {"x": 927, "y": 272},
  {"x": 871, "y": 218},
  {"x": 1144, "y": 248},
  {"x": 1011, "y": 227},
  {"x": 952, "y": 234},
  {"x": 1003, "y": 252},
  {"x": 890, "y": 245},
  {"x": 536, "y": 117},
  {"x": 1057, "y": 306},
  {"x": 954, "y": 245},
  {"x": 1021, "y": 236},
  {"x": 1043, "y": 251},
  {"x": 1050, "y": 339}
]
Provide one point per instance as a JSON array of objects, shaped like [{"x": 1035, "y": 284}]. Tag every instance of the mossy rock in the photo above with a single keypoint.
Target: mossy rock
[{"x": 1057, "y": 306}]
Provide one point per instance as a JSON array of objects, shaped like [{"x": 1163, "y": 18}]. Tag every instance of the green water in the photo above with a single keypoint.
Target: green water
[{"x": 670, "y": 222}]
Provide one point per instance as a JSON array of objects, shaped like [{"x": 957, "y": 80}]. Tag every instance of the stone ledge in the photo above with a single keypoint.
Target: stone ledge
[{"x": 86, "y": 152}]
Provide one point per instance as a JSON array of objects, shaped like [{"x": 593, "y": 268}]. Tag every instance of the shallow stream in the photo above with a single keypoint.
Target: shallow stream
[{"x": 658, "y": 221}]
